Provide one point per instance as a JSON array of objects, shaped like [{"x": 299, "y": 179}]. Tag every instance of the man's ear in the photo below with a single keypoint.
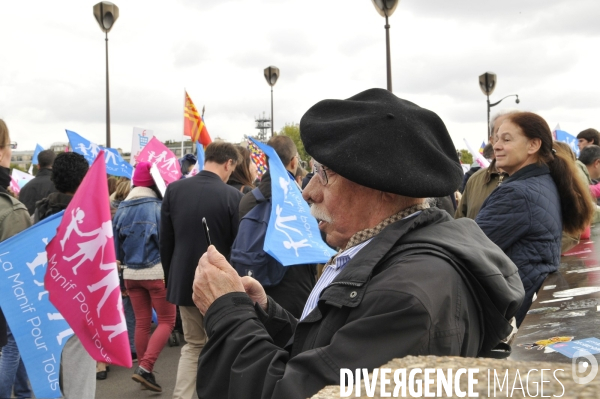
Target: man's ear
[{"x": 293, "y": 165}]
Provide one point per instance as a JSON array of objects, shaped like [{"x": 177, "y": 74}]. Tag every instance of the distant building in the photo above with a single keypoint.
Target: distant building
[
  {"x": 22, "y": 159},
  {"x": 60, "y": 146},
  {"x": 175, "y": 147}
]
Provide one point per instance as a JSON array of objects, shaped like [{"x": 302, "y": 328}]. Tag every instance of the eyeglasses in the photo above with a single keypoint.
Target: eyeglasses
[{"x": 321, "y": 171}]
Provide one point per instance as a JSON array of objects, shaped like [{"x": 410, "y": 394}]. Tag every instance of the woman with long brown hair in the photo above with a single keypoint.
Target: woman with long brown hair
[
  {"x": 541, "y": 198},
  {"x": 244, "y": 173}
]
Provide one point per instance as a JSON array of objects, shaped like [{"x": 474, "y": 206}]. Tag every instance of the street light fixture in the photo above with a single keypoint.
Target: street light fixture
[
  {"x": 386, "y": 8},
  {"x": 271, "y": 75},
  {"x": 106, "y": 14},
  {"x": 487, "y": 84}
]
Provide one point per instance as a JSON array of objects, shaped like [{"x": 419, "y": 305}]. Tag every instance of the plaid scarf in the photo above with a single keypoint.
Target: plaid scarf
[{"x": 366, "y": 234}]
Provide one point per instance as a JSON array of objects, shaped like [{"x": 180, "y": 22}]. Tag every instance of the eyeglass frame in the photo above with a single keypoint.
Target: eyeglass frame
[{"x": 321, "y": 172}]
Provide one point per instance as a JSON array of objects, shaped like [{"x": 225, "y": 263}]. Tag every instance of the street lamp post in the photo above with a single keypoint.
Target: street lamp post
[
  {"x": 386, "y": 8},
  {"x": 271, "y": 75},
  {"x": 106, "y": 14},
  {"x": 487, "y": 84}
]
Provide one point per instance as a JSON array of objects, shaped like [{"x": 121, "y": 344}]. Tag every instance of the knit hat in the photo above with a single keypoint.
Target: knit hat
[
  {"x": 383, "y": 142},
  {"x": 142, "y": 176}
]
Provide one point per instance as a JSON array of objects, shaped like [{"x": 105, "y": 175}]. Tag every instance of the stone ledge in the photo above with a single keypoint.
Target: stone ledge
[{"x": 564, "y": 377}]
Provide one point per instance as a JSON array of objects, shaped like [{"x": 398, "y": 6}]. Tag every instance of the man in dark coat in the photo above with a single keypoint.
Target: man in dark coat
[
  {"x": 310, "y": 173},
  {"x": 182, "y": 242},
  {"x": 409, "y": 280},
  {"x": 41, "y": 186},
  {"x": 297, "y": 283}
]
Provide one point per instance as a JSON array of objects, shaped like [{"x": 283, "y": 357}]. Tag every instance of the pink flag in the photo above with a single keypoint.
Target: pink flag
[
  {"x": 157, "y": 153},
  {"x": 14, "y": 185},
  {"x": 82, "y": 277}
]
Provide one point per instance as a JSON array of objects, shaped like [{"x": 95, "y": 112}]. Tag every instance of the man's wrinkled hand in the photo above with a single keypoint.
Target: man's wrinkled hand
[
  {"x": 255, "y": 291},
  {"x": 214, "y": 278}
]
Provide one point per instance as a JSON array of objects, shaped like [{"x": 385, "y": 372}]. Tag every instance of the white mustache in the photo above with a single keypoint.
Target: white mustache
[{"x": 320, "y": 214}]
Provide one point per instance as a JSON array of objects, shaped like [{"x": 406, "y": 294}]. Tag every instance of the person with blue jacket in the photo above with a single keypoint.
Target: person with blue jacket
[
  {"x": 542, "y": 197},
  {"x": 136, "y": 231}
]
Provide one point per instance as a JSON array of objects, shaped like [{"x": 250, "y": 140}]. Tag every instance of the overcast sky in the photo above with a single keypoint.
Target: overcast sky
[{"x": 52, "y": 63}]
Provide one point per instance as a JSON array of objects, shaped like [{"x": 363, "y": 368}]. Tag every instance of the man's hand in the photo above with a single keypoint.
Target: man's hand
[
  {"x": 214, "y": 278},
  {"x": 255, "y": 291}
]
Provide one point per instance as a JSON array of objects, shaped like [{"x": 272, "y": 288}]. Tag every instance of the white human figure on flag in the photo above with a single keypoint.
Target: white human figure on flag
[
  {"x": 94, "y": 149},
  {"x": 285, "y": 185},
  {"x": 40, "y": 260},
  {"x": 89, "y": 249},
  {"x": 160, "y": 158},
  {"x": 280, "y": 226},
  {"x": 170, "y": 163},
  {"x": 109, "y": 282},
  {"x": 280, "y": 220},
  {"x": 41, "y": 293},
  {"x": 110, "y": 156},
  {"x": 117, "y": 328},
  {"x": 63, "y": 334},
  {"x": 151, "y": 155},
  {"x": 82, "y": 148},
  {"x": 77, "y": 217},
  {"x": 296, "y": 244}
]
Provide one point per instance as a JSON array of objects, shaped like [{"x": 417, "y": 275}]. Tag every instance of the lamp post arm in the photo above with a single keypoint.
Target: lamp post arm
[
  {"x": 499, "y": 101},
  {"x": 107, "y": 97}
]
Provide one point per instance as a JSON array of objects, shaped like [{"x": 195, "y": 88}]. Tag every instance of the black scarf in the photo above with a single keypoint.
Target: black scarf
[{"x": 4, "y": 177}]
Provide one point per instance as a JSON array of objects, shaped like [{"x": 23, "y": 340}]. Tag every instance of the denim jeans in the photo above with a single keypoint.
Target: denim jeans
[{"x": 12, "y": 371}]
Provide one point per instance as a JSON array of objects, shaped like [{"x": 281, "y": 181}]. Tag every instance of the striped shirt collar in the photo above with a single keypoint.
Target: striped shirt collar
[{"x": 336, "y": 265}]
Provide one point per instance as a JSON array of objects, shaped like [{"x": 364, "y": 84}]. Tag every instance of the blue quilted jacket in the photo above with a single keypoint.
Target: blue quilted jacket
[{"x": 522, "y": 216}]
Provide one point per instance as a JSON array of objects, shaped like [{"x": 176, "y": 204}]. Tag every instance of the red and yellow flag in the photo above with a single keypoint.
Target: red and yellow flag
[{"x": 193, "y": 125}]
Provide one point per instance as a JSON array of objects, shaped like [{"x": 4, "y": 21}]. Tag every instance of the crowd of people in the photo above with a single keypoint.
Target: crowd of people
[{"x": 430, "y": 261}]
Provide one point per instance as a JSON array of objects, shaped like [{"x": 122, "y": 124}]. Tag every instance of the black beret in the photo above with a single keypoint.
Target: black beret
[{"x": 383, "y": 142}]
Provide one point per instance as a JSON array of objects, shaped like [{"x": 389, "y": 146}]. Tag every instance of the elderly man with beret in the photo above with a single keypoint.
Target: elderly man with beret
[{"x": 408, "y": 279}]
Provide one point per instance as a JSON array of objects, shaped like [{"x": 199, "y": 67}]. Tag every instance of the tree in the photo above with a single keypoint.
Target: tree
[
  {"x": 292, "y": 130},
  {"x": 16, "y": 166},
  {"x": 466, "y": 157}
]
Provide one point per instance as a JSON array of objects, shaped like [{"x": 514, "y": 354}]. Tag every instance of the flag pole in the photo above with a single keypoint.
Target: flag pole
[{"x": 183, "y": 134}]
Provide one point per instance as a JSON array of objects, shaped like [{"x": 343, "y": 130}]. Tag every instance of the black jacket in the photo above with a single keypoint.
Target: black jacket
[
  {"x": 297, "y": 283},
  {"x": 50, "y": 205},
  {"x": 182, "y": 240},
  {"x": 405, "y": 293},
  {"x": 239, "y": 186},
  {"x": 38, "y": 188},
  {"x": 307, "y": 179}
]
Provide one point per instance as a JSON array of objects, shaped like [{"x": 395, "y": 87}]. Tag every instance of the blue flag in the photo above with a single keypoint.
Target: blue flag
[
  {"x": 571, "y": 140},
  {"x": 115, "y": 165},
  {"x": 39, "y": 329},
  {"x": 293, "y": 235},
  {"x": 200, "y": 156},
  {"x": 38, "y": 149}
]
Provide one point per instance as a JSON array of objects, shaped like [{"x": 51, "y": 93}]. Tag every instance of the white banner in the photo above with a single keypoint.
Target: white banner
[
  {"x": 140, "y": 138},
  {"x": 484, "y": 163}
]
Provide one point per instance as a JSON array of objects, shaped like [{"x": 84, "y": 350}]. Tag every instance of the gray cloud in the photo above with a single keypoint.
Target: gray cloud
[
  {"x": 189, "y": 54},
  {"x": 479, "y": 10}
]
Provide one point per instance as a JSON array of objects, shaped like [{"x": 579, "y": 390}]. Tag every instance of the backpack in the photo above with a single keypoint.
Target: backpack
[{"x": 248, "y": 257}]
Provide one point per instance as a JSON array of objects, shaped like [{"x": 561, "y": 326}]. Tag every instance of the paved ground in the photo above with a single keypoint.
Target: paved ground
[{"x": 120, "y": 385}]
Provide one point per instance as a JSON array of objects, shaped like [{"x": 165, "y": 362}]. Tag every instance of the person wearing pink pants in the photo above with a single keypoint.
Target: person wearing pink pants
[{"x": 136, "y": 227}]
